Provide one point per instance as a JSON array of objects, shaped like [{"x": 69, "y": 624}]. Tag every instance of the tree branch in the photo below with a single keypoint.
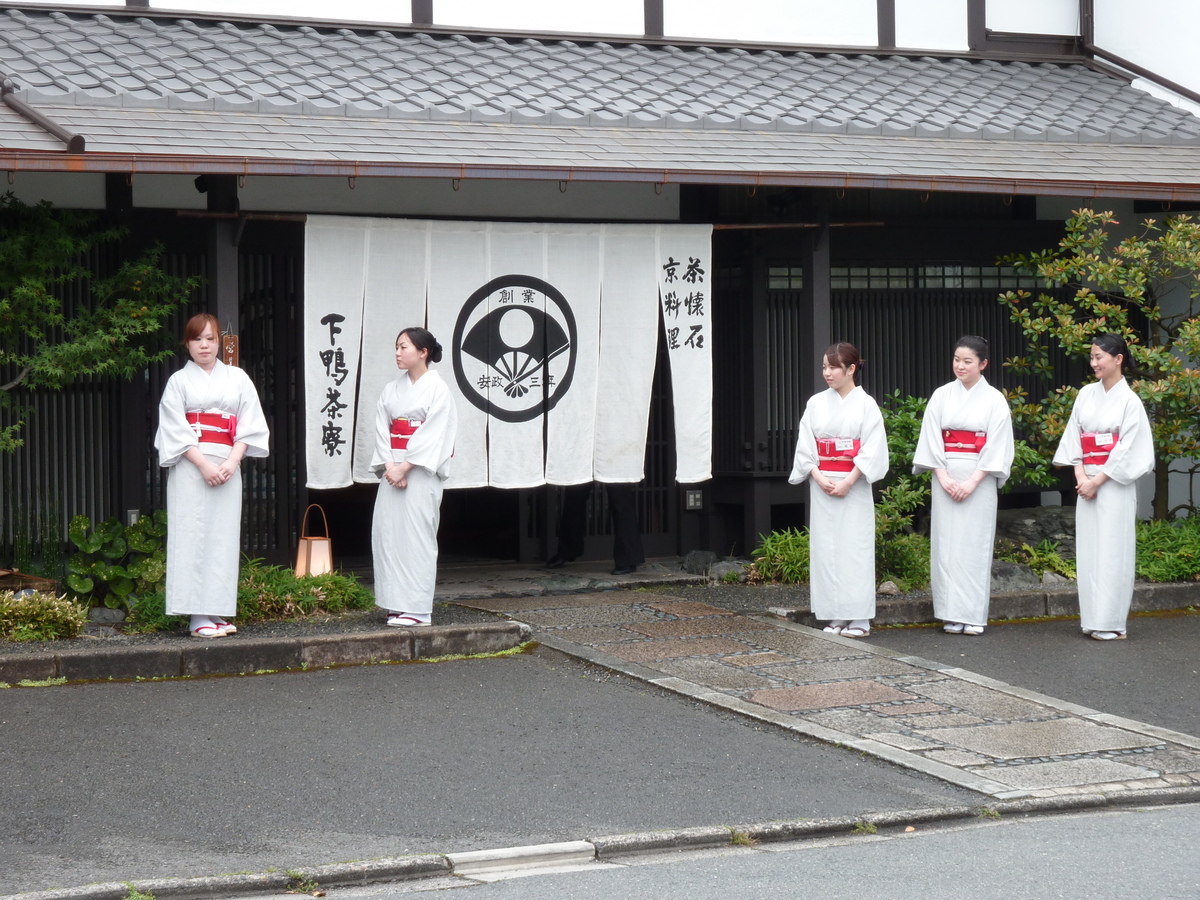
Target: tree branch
[{"x": 20, "y": 377}]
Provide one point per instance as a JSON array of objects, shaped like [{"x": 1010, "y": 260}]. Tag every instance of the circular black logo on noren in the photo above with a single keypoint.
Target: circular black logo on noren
[{"x": 514, "y": 347}]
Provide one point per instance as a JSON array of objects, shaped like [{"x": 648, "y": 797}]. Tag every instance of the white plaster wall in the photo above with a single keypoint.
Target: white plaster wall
[
  {"x": 843, "y": 23},
  {"x": 1034, "y": 16},
  {"x": 609, "y": 17},
  {"x": 69, "y": 191},
  {"x": 591, "y": 201},
  {"x": 1157, "y": 34},
  {"x": 931, "y": 24}
]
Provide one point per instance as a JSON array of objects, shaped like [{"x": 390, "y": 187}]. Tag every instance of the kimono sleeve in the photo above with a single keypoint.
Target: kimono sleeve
[
  {"x": 806, "y": 448},
  {"x": 1133, "y": 456},
  {"x": 1070, "y": 447},
  {"x": 872, "y": 459},
  {"x": 931, "y": 449},
  {"x": 175, "y": 436},
  {"x": 382, "y": 454},
  {"x": 997, "y": 455},
  {"x": 431, "y": 446},
  {"x": 252, "y": 427}
]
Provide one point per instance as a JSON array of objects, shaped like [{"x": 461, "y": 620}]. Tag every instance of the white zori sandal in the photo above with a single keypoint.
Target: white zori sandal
[{"x": 404, "y": 620}]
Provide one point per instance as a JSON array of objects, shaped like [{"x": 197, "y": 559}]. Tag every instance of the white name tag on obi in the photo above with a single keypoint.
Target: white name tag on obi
[
  {"x": 1104, "y": 439},
  {"x": 843, "y": 444}
]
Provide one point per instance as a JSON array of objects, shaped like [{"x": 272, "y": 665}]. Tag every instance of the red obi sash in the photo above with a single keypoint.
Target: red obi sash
[
  {"x": 402, "y": 430},
  {"x": 964, "y": 441},
  {"x": 837, "y": 454},
  {"x": 213, "y": 428},
  {"x": 1097, "y": 445}
]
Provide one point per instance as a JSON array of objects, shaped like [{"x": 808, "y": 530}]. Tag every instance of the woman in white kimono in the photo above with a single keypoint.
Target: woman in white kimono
[
  {"x": 842, "y": 447},
  {"x": 415, "y": 425},
  {"x": 209, "y": 418},
  {"x": 967, "y": 442},
  {"x": 1108, "y": 441}
]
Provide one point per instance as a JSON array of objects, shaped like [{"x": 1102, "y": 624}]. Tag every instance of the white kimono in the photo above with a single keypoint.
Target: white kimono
[
  {"x": 204, "y": 523},
  {"x": 963, "y": 533},
  {"x": 1105, "y": 532},
  {"x": 404, "y": 531},
  {"x": 842, "y": 529}
]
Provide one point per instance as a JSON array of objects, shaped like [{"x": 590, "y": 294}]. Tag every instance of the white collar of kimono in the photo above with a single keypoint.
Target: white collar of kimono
[
  {"x": 982, "y": 380},
  {"x": 217, "y": 366}
]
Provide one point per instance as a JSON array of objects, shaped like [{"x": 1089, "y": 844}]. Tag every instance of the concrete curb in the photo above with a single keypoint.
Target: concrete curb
[
  {"x": 240, "y": 656},
  {"x": 602, "y": 849},
  {"x": 1033, "y": 604}
]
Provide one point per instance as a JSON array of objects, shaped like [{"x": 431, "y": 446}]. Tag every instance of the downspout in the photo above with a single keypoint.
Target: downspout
[
  {"x": 75, "y": 142},
  {"x": 1141, "y": 72}
]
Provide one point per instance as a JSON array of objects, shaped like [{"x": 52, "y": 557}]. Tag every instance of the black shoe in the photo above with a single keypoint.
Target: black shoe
[
  {"x": 624, "y": 570},
  {"x": 557, "y": 561}
]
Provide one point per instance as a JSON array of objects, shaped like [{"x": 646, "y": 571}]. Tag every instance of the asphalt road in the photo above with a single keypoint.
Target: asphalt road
[
  {"x": 1153, "y": 676},
  {"x": 1128, "y": 855},
  {"x": 115, "y": 782}
]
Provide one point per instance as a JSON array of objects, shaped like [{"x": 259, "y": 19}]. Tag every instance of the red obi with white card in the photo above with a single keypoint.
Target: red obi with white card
[
  {"x": 213, "y": 428},
  {"x": 1097, "y": 445},
  {"x": 963, "y": 441},
  {"x": 837, "y": 454},
  {"x": 402, "y": 430}
]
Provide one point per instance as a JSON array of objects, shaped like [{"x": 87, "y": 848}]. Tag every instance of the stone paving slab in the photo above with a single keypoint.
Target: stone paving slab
[
  {"x": 645, "y": 651},
  {"x": 713, "y": 674},
  {"x": 1067, "y": 773},
  {"x": 841, "y": 669},
  {"x": 933, "y": 717},
  {"x": 827, "y": 696},
  {"x": 758, "y": 660},
  {"x": 608, "y": 614},
  {"x": 599, "y": 634},
  {"x": 689, "y": 608},
  {"x": 707, "y": 626},
  {"x": 979, "y": 700},
  {"x": 1057, "y": 737}
]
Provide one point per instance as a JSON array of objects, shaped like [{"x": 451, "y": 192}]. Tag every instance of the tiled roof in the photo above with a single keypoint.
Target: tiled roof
[{"x": 62, "y": 59}]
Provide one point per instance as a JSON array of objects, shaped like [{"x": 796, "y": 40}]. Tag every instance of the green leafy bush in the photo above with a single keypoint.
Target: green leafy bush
[
  {"x": 783, "y": 556},
  {"x": 1169, "y": 550},
  {"x": 904, "y": 559},
  {"x": 115, "y": 565},
  {"x": 40, "y": 617}
]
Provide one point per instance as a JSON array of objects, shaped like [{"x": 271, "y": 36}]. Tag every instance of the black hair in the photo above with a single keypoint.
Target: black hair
[
  {"x": 1114, "y": 345},
  {"x": 974, "y": 343},
  {"x": 422, "y": 340},
  {"x": 845, "y": 355}
]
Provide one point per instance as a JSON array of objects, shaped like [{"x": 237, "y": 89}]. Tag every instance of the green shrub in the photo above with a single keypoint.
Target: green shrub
[
  {"x": 904, "y": 559},
  {"x": 1042, "y": 559},
  {"x": 783, "y": 556},
  {"x": 274, "y": 592},
  {"x": 1169, "y": 550},
  {"x": 115, "y": 565},
  {"x": 148, "y": 613},
  {"x": 40, "y": 617}
]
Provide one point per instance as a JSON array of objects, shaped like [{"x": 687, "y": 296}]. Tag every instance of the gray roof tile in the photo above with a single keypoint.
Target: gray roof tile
[{"x": 248, "y": 66}]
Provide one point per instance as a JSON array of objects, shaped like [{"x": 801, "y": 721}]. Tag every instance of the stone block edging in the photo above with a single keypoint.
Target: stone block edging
[{"x": 240, "y": 655}]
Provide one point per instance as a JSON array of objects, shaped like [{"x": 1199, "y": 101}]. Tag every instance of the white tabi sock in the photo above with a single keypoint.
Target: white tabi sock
[{"x": 200, "y": 622}]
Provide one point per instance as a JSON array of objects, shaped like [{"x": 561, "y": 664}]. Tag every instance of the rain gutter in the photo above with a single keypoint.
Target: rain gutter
[{"x": 14, "y": 160}]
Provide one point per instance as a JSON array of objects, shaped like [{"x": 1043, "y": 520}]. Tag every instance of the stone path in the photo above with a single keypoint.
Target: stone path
[{"x": 944, "y": 721}]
